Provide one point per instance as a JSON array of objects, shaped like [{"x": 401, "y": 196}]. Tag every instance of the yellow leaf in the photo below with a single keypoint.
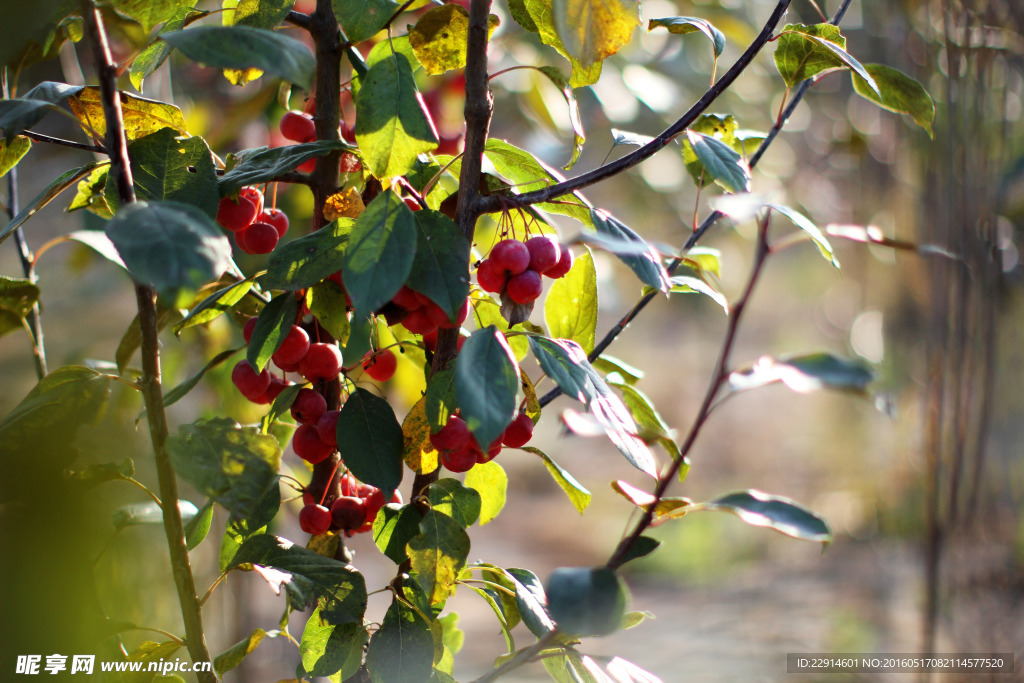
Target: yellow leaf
[
  {"x": 419, "y": 454},
  {"x": 141, "y": 116},
  {"x": 242, "y": 76},
  {"x": 440, "y": 36},
  {"x": 347, "y": 204},
  {"x": 593, "y": 30}
]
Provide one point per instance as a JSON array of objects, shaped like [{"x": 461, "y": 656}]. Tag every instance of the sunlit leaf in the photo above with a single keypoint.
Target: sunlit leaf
[
  {"x": 775, "y": 512},
  {"x": 215, "y": 305},
  {"x": 418, "y": 453},
  {"x": 579, "y": 136},
  {"x": 683, "y": 25},
  {"x": 593, "y": 30},
  {"x": 148, "y": 13},
  {"x": 438, "y": 554},
  {"x": 157, "y": 52},
  {"x": 327, "y": 648},
  {"x": 896, "y": 92},
  {"x": 179, "y": 392},
  {"x": 459, "y": 502},
  {"x": 578, "y": 494},
  {"x": 440, "y": 35},
  {"x": 141, "y": 116},
  {"x": 721, "y": 163},
  {"x": 491, "y": 482},
  {"x": 570, "y": 309},
  {"x": 17, "y": 297},
  {"x": 684, "y": 284},
  {"x": 801, "y": 221},
  {"x": 262, "y": 164},
  {"x": 392, "y": 529},
  {"x": 48, "y": 194},
  {"x": 806, "y": 373},
  {"x": 11, "y": 152},
  {"x": 527, "y": 173},
  {"x": 167, "y": 167},
  {"x": 806, "y": 51},
  {"x": 310, "y": 259},
  {"x": 537, "y": 16},
  {"x": 647, "y": 266},
  {"x": 402, "y": 649},
  {"x": 259, "y": 13}
]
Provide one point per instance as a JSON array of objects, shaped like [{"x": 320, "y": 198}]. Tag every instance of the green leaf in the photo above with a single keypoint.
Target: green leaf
[
  {"x": 643, "y": 546},
  {"x": 174, "y": 247},
  {"x": 806, "y": 51},
  {"x": 438, "y": 553},
  {"x": 90, "y": 196},
  {"x": 440, "y": 35},
  {"x": 308, "y": 578},
  {"x": 491, "y": 482},
  {"x": 527, "y": 173},
  {"x": 101, "y": 473},
  {"x": 362, "y": 20},
  {"x": 578, "y": 494},
  {"x": 329, "y": 304},
  {"x": 486, "y": 381},
  {"x": 680, "y": 26},
  {"x": 148, "y": 13},
  {"x": 179, "y": 392},
  {"x": 166, "y": 167},
  {"x": 439, "y": 268},
  {"x": 486, "y": 312},
  {"x": 380, "y": 252},
  {"x": 593, "y": 31},
  {"x": 63, "y": 182},
  {"x": 233, "y": 465},
  {"x": 157, "y": 52},
  {"x": 579, "y": 136},
  {"x": 370, "y": 441},
  {"x": 233, "y": 656},
  {"x": 199, "y": 526},
  {"x": 141, "y": 116},
  {"x": 440, "y": 400},
  {"x": 775, "y": 512},
  {"x": 531, "y": 601},
  {"x": 17, "y": 115},
  {"x": 402, "y": 649},
  {"x": 537, "y": 16},
  {"x": 31, "y": 31},
  {"x": 450, "y": 497},
  {"x": 260, "y": 164},
  {"x": 141, "y": 514},
  {"x": 721, "y": 163},
  {"x": 566, "y": 363},
  {"x": 236, "y": 531},
  {"x": 801, "y": 221},
  {"x": 17, "y": 297},
  {"x": 897, "y": 92},
  {"x": 392, "y": 529},
  {"x": 392, "y": 123},
  {"x": 280, "y": 406},
  {"x": 587, "y": 600},
  {"x": 272, "y": 326},
  {"x": 243, "y": 47},
  {"x": 215, "y": 305},
  {"x": 570, "y": 310},
  {"x": 647, "y": 266},
  {"x": 310, "y": 259},
  {"x": 11, "y": 153},
  {"x": 652, "y": 426},
  {"x": 495, "y": 600},
  {"x": 806, "y": 373},
  {"x": 261, "y": 13},
  {"x": 609, "y": 364},
  {"x": 328, "y": 649},
  {"x": 685, "y": 284}
]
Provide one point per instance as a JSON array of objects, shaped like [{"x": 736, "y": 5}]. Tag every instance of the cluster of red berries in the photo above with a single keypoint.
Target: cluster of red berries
[
  {"x": 298, "y": 126},
  {"x": 419, "y": 314},
  {"x": 352, "y": 512},
  {"x": 257, "y": 230},
  {"x": 514, "y": 268},
  {"x": 459, "y": 448}
]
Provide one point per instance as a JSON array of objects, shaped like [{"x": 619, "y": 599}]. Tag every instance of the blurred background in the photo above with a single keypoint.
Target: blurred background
[{"x": 925, "y": 496}]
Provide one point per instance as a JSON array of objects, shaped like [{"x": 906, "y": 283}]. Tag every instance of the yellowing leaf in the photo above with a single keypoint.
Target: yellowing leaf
[
  {"x": 141, "y": 116},
  {"x": 347, "y": 204},
  {"x": 242, "y": 76},
  {"x": 593, "y": 30},
  {"x": 439, "y": 38},
  {"x": 419, "y": 454}
]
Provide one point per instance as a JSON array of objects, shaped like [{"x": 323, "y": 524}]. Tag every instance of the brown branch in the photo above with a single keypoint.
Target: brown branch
[
  {"x": 492, "y": 203},
  {"x": 149, "y": 383},
  {"x": 49, "y": 139}
]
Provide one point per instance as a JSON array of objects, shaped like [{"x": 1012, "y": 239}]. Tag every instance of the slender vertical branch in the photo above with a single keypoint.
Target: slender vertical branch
[{"x": 149, "y": 384}]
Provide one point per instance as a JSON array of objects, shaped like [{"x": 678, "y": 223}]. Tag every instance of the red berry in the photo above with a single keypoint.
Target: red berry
[
  {"x": 511, "y": 256},
  {"x": 564, "y": 264},
  {"x": 412, "y": 203},
  {"x": 524, "y": 287},
  {"x": 275, "y": 217},
  {"x": 254, "y": 196},
  {"x": 308, "y": 446},
  {"x": 250, "y": 325},
  {"x": 396, "y": 498},
  {"x": 258, "y": 238},
  {"x": 543, "y": 253},
  {"x": 374, "y": 502},
  {"x": 491, "y": 276},
  {"x": 430, "y": 341},
  {"x": 253, "y": 385},
  {"x": 315, "y": 519},
  {"x": 350, "y": 163},
  {"x": 423, "y": 298},
  {"x": 419, "y": 322},
  {"x": 519, "y": 432},
  {"x": 298, "y": 126},
  {"x": 327, "y": 427},
  {"x": 309, "y": 406},
  {"x": 453, "y": 436},
  {"x": 349, "y": 485},
  {"x": 491, "y": 453},
  {"x": 381, "y": 365},
  {"x": 307, "y": 166},
  {"x": 307, "y": 498},
  {"x": 294, "y": 347},
  {"x": 406, "y": 298},
  {"x": 322, "y": 361},
  {"x": 348, "y": 512},
  {"x": 277, "y": 385},
  {"x": 236, "y": 214},
  {"x": 459, "y": 461}
]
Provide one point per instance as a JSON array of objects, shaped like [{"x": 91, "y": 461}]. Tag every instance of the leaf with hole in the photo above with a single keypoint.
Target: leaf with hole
[{"x": 166, "y": 167}]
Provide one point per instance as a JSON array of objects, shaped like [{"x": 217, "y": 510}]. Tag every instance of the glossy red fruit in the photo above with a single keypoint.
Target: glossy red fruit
[
  {"x": 314, "y": 519},
  {"x": 293, "y": 348},
  {"x": 419, "y": 322},
  {"x": 349, "y": 485},
  {"x": 511, "y": 256},
  {"x": 258, "y": 238},
  {"x": 277, "y": 385},
  {"x": 460, "y": 460},
  {"x": 349, "y": 163},
  {"x": 453, "y": 436},
  {"x": 381, "y": 365},
  {"x": 254, "y": 196},
  {"x": 250, "y": 325},
  {"x": 298, "y": 126},
  {"x": 564, "y": 264},
  {"x": 236, "y": 214},
  {"x": 430, "y": 341},
  {"x": 327, "y": 429},
  {"x": 374, "y": 502},
  {"x": 309, "y": 407},
  {"x": 348, "y": 512},
  {"x": 307, "y": 166},
  {"x": 491, "y": 453},
  {"x": 491, "y": 276},
  {"x": 519, "y": 431},
  {"x": 543, "y": 253},
  {"x": 406, "y": 298},
  {"x": 524, "y": 287},
  {"x": 322, "y": 361},
  {"x": 275, "y": 217},
  {"x": 308, "y": 446},
  {"x": 253, "y": 385}
]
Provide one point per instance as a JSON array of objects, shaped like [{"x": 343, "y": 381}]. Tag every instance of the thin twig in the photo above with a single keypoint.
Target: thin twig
[
  {"x": 49, "y": 139},
  {"x": 149, "y": 383},
  {"x": 522, "y": 657}
]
